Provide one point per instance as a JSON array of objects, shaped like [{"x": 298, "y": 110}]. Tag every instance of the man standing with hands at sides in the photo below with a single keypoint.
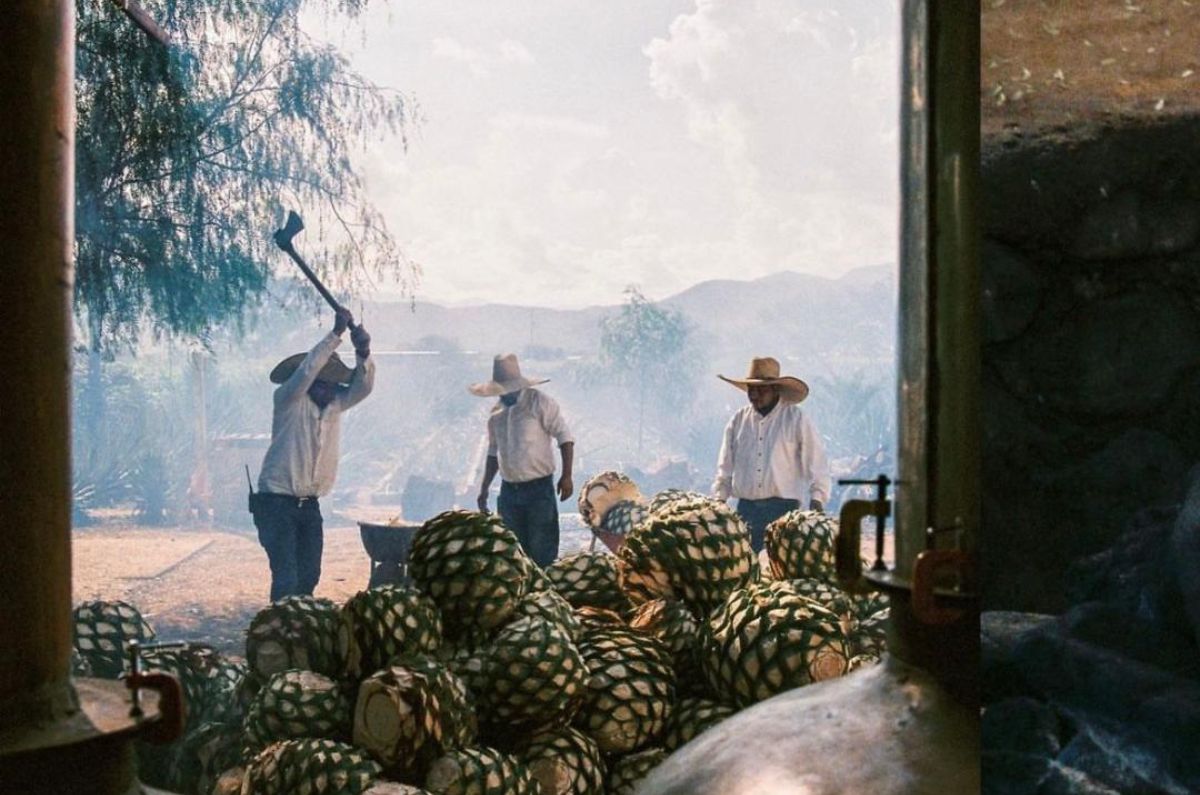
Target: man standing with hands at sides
[
  {"x": 520, "y": 430},
  {"x": 301, "y": 464},
  {"x": 772, "y": 459}
]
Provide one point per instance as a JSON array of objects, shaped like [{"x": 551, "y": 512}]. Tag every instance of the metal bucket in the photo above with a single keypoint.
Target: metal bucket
[{"x": 387, "y": 545}]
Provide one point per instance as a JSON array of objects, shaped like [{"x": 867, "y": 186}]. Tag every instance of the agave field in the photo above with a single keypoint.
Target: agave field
[{"x": 490, "y": 675}]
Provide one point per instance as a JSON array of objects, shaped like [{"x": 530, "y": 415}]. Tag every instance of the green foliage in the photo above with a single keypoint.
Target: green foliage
[
  {"x": 134, "y": 432},
  {"x": 187, "y": 156},
  {"x": 132, "y": 443},
  {"x": 646, "y": 347},
  {"x": 856, "y": 415},
  {"x": 103, "y": 453},
  {"x": 641, "y": 337}
]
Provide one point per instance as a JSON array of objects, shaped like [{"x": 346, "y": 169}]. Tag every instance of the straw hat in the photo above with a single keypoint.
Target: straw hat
[
  {"x": 764, "y": 371},
  {"x": 506, "y": 377},
  {"x": 335, "y": 370}
]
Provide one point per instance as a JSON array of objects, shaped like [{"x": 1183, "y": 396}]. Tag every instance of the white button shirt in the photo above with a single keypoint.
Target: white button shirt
[
  {"x": 779, "y": 455},
  {"x": 519, "y": 436},
  {"x": 303, "y": 457}
]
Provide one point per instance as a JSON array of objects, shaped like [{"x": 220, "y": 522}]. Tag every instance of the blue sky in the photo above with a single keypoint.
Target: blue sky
[{"x": 567, "y": 149}]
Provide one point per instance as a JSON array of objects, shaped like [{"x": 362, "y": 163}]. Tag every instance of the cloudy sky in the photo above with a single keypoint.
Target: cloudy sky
[{"x": 568, "y": 149}]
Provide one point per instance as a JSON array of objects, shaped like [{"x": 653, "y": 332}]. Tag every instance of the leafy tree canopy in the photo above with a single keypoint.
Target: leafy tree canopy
[
  {"x": 646, "y": 347},
  {"x": 643, "y": 335},
  {"x": 186, "y": 158}
]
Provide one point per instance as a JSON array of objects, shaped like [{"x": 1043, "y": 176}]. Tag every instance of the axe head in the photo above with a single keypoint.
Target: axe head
[{"x": 283, "y": 237}]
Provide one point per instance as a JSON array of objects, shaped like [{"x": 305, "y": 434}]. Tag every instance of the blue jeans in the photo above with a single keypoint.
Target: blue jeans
[
  {"x": 530, "y": 510},
  {"x": 292, "y": 533},
  {"x": 759, "y": 513}
]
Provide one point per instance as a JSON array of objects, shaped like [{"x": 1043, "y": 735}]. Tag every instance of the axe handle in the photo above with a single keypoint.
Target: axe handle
[
  {"x": 312, "y": 277},
  {"x": 144, "y": 21}
]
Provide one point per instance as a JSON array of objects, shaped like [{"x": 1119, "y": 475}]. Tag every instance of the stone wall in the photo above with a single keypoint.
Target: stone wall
[{"x": 1091, "y": 381}]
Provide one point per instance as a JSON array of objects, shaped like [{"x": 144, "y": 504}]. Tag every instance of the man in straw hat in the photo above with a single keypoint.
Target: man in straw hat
[
  {"x": 772, "y": 459},
  {"x": 520, "y": 430},
  {"x": 301, "y": 463}
]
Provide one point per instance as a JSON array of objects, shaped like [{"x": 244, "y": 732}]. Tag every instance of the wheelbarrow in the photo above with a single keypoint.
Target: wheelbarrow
[{"x": 387, "y": 545}]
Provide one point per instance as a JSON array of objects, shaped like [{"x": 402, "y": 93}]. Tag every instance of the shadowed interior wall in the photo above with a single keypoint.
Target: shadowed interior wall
[{"x": 1091, "y": 378}]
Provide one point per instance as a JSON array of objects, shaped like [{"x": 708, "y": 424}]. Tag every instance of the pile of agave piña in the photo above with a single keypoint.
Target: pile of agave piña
[{"x": 489, "y": 675}]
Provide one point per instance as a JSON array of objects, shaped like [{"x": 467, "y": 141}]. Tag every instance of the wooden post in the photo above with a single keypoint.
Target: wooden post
[
  {"x": 54, "y": 738},
  {"x": 36, "y": 237}
]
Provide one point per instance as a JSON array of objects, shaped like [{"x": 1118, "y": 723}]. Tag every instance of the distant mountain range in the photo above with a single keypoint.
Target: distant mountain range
[{"x": 814, "y": 323}]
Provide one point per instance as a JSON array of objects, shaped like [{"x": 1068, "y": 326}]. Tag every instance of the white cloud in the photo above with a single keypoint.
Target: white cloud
[
  {"x": 781, "y": 88},
  {"x": 481, "y": 63},
  {"x": 661, "y": 144},
  {"x": 800, "y": 105},
  {"x": 453, "y": 50},
  {"x": 515, "y": 52},
  {"x": 546, "y": 124}
]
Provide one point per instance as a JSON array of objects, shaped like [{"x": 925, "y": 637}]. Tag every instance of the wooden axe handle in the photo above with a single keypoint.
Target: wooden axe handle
[
  {"x": 285, "y": 243},
  {"x": 312, "y": 277},
  {"x": 144, "y": 21}
]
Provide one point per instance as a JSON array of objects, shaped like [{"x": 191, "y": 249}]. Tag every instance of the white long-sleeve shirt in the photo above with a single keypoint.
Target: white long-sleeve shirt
[
  {"x": 779, "y": 455},
  {"x": 303, "y": 457},
  {"x": 519, "y": 436}
]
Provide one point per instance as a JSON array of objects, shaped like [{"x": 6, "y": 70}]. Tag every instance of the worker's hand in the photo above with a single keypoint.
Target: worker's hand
[
  {"x": 482, "y": 502},
  {"x": 361, "y": 340},
  {"x": 816, "y": 505},
  {"x": 341, "y": 320},
  {"x": 566, "y": 487}
]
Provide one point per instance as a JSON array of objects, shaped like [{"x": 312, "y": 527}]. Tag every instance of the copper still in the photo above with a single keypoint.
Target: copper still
[
  {"x": 911, "y": 724},
  {"x": 56, "y": 735}
]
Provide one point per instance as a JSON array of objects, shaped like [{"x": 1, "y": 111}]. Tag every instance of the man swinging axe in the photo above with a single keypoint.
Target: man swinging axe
[{"x": 301, "y": 463}]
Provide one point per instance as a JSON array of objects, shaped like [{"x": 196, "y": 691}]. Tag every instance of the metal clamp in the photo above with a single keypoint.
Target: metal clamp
[
  {"x": 849, "y": 538},
  {"x": 171, "y": 707},
  {"x": 926, "y": 569}
]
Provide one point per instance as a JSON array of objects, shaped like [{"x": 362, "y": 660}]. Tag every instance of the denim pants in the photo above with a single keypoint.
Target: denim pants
[
  {"x": 291, "y": 532},
  {"x": 530, "y": 510},
  {"x": 759, "y": 513}
]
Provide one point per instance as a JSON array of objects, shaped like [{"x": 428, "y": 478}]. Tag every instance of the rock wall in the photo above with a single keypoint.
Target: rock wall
[{"x": 1091, "y": 382}]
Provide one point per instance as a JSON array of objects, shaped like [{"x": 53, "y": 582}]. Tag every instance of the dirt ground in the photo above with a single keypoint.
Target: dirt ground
[
  {"x": 205, "y": 584},
  {"x": 199, "y": 584},
  {"x": 1049, "y": 65}
]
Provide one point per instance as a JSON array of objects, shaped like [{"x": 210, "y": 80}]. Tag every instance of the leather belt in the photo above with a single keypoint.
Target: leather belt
[{"x": 300, "y": 502}]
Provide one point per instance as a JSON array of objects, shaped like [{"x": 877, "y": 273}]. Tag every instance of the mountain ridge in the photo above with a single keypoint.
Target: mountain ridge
[{"x": 817, "y": 323}]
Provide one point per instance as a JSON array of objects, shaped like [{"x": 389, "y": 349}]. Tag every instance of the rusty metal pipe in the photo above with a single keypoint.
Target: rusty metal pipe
[
  {"x": 939, "y": 389},
  {"x": 939, "y": 331}
]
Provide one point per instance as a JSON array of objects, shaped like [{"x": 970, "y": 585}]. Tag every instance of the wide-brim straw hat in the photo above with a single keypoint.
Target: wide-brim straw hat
[
  {"x": 335, "y": 370},
  {"x": 764, "y": 371},
  {"x": 506, "y": 377}
]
